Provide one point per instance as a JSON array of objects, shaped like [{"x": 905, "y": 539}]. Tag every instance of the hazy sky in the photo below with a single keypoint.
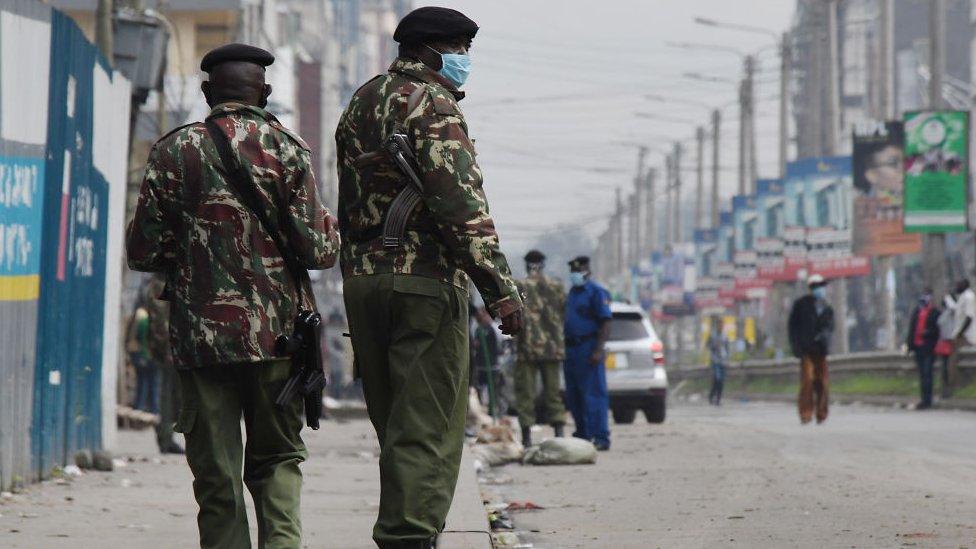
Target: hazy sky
[{"x": 555, "y": 86}]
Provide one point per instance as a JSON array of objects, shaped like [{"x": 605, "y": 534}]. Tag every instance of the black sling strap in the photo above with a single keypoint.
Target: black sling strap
[{"x": 241, "y": 181}]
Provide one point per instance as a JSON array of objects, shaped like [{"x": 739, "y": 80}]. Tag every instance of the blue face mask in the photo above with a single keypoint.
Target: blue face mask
[
  {"x": 577, "y": 279},
  {"x": 820, "y": 292},
  {"x": 455, "y": 67}
]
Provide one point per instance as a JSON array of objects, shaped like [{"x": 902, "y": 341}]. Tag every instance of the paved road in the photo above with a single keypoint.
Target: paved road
[
  {"x": 149, "y": 503},
  {"x": 748, "y": 475}
]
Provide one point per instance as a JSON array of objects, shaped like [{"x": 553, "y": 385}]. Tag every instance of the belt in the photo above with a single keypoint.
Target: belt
[{"x": 579, "y": 340}]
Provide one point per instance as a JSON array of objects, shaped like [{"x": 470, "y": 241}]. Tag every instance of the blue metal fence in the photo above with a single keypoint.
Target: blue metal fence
[{"x": 54, "y": 228}]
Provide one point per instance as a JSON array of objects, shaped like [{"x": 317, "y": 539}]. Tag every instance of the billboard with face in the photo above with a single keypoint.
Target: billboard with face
[{"x": 878, "y": 170}]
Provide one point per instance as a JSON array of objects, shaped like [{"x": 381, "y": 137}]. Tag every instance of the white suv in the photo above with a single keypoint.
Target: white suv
[{"x": 636, "y": 378}]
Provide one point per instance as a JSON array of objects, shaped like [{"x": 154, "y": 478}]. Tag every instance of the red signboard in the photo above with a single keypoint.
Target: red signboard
[{"x": 842, "y": 267}]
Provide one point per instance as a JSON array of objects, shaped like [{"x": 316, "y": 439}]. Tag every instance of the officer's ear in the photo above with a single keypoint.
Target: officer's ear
[
  {"x": 265, "y": 93},
  {"x": 205, "y": 88}
]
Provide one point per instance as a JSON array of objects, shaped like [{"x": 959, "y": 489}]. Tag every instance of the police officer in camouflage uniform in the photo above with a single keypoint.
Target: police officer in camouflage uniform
[
  {"x": 541, "y": 346},
  {"x": 230, "y": 296},
  {"x": 407, "y": 304}
]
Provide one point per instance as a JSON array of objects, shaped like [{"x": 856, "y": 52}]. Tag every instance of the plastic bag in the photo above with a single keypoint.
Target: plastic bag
[{"x": 561, "y": 451}]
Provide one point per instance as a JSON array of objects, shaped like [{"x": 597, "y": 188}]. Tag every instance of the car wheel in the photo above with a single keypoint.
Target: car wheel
[
  {"x": 655, "y": 411},
  {"x": 624, "y": 416}
]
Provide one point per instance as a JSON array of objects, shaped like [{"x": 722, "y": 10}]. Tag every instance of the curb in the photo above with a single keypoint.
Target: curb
[
  {"x": 467, "y": 523},
  {"x": 965, "y": 405}
]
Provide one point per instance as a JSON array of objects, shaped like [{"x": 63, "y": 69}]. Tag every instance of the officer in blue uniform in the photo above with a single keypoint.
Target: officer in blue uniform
[{"x": 587, "y": 327}]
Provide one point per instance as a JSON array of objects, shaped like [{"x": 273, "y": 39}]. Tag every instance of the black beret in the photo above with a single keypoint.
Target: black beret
[
  {"x": 535, "y": 256},
  {"x": 235, "y": 52},
  {"x": 433, "y": 23},
  {"x": 580, "y": 263}
]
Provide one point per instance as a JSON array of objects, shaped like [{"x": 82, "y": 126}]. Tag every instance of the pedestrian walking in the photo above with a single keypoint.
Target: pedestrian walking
[
  {"x": 137, "y": 345},
  {"x": 964, "y": 331},
  {"x": 415, "y": 226},
  {"x": 718, "y": 352},
  {"x": 587, "y": 329},
  {"x": 235, "y": 281},
  {"x": 161, "y": 357},
  {"x": 541, "y": 347},
  {"x": 923, "y": 334},
  {"x": 944, "y": 348},
  {"x": 811, "y": 324}
]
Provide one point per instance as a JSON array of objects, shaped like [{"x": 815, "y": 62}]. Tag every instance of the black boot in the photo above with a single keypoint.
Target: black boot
[
  {"x": 558, "y": 429},
  {"x": 527, "y": 436}
]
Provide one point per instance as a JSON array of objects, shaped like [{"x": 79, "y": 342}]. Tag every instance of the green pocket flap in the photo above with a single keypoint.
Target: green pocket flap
[
  {"x": 184, "y": 424},
  {"x": 419, "y": 285}
]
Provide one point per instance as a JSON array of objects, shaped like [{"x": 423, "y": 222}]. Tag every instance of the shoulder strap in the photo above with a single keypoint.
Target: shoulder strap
[{"x": 241, "y": 181}]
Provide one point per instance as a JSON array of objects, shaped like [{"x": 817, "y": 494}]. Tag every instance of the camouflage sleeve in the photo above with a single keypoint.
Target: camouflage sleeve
[
  {"x": 150, "y": 240},
  {"x": 559, "y": 292},
  {"x": 311, "y": 231},
  {"x": 453, "y": 193}
]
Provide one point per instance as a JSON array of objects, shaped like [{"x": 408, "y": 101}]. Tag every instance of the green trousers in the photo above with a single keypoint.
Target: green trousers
[
  {"x": 214, "y": 401},
  {"x": 526, "y": 373},
  {"x": 410, "y": 338}
]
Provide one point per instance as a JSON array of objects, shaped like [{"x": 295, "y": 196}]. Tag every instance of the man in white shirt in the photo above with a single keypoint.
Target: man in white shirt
[{"x": 965, "y": 328}]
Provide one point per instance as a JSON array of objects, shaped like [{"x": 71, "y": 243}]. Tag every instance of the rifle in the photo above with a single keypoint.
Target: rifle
[
  {"x": 306, "y": 360},
  {"x": 407, "y": 199}
]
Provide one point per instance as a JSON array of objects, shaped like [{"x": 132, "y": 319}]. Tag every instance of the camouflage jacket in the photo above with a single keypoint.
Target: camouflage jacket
[
  {"x": 229, "y": 291},
  {"x": 451, "y": 233},
  {"x": 542, "y": 332}
]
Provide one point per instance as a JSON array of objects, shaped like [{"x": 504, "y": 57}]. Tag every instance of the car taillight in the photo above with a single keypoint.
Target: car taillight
[{"x": 657, "y": 351}]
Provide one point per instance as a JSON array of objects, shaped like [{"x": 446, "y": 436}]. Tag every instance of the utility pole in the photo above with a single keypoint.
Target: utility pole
[
  {"x": 742, "y": 136},
  {"x": 750, "y": 66},
  {"x": 103, "y": 29},
  {"x": 716, "y": 156},
  {"x": 650, "y": 201},
  {"x": 786, "y": 62},
  {"x": 700, "y": 183},
  {"x": 934, "y": 243},
  {"x": 832, "y": 114},
  {"x": 633, "y": 229},
  {"x": 677, "y": 193},
  {"x": 619, "y": 241},
  {"x": 831, "y": 117},
  {"x": 886, "y": 90},
  {"x": 885, "y": 106},
  {"x": 669, "y": 167},
  {"x": 640, "y": 188}
]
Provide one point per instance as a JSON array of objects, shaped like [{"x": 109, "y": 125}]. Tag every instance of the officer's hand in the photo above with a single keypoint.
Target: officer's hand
[
  {"x": 331, "y": 223},
  {"x": 596, "y": 357},
  {"x": 512, "y": 323}
]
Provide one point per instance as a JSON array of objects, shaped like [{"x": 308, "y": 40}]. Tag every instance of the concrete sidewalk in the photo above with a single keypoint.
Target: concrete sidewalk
[{"x": 149, "y": 503}]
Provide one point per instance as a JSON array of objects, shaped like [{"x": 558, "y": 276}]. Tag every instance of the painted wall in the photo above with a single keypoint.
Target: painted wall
[{"x": 63, "y": 138}]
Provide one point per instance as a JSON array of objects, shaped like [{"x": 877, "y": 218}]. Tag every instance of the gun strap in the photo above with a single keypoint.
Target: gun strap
[{"x": 241, "y": 181}]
